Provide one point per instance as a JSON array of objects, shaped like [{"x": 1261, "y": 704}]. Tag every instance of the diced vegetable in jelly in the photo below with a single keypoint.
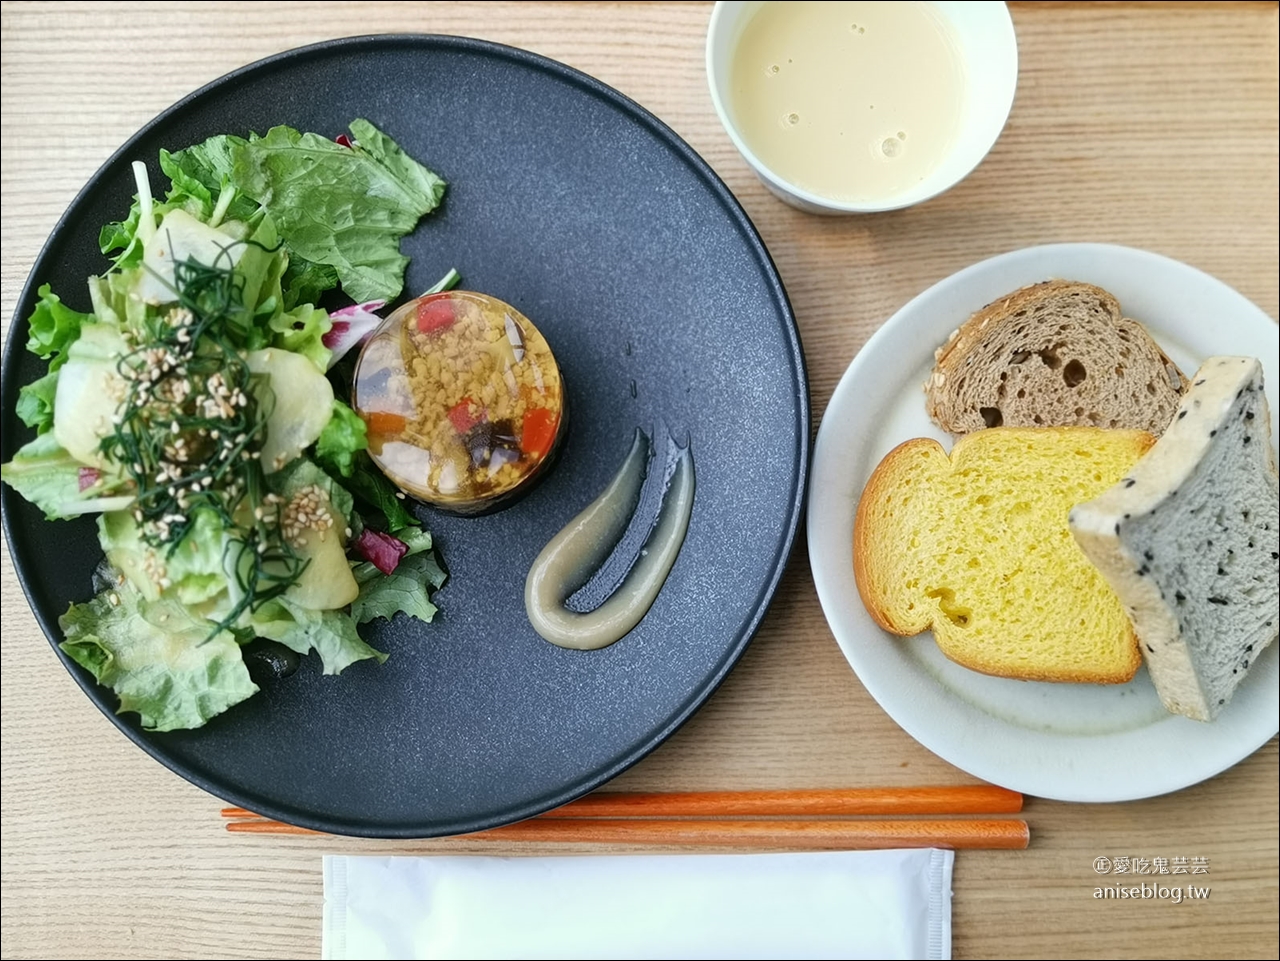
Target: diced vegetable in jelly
[{"x": 462, "y": 399}]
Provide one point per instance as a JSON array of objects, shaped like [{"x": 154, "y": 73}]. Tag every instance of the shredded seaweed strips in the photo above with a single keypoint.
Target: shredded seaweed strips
[{"x": 224, "y": 472}]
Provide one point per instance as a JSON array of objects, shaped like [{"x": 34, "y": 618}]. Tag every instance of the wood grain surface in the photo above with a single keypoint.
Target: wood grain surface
[{"x": 1153, "y": 126}]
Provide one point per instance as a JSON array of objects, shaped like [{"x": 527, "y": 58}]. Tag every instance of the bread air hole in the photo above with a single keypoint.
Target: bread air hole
[
  {"x": 991, "y": 416},
  {"x": 1074, "y": 373},
  {"x": 957, "y": 614}
]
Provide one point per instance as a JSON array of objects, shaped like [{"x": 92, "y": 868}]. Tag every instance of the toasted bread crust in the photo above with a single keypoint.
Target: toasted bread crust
[
  {"x": 975, "y": 329},
  {"x": 865, "y": 570}
]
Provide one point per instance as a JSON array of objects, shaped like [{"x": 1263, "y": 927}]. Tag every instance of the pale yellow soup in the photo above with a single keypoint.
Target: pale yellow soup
[{"x": 853, "y": 102}]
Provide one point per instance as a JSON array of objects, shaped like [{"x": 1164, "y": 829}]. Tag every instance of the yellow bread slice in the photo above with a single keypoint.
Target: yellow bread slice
[{"x": 976, "y": 547}]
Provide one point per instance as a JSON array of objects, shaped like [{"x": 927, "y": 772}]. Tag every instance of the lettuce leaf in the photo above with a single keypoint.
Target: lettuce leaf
[
  {"x": 371, "y": 486},
  {"x": 417, "y": 539},
  {"x": 120, "y": 235},
  {"x": 305, "y": 282},
  {"x": 159, "y": 660},
  {"x": 302, "y": 331},
  {"x": 261, "y": 266},
  {"x": 187, "y": 190},
  {"x": 346, "y": 207},
  {"x": 53, "y": 327},
  {"x": 113, "y": 305},
  {"x": 331, "y": 634},
  {"x": 340, "y": 210},
  {"x": 45, "y": 474},
  {"x": 194, "y": 187},
  {"x": 35, "y": 402},
  {"x": 425, "y": 186},
  {"x": 341, "y": 440},
  {"x": 211, "y": 164},
  {"x": 408, "y": 590}
]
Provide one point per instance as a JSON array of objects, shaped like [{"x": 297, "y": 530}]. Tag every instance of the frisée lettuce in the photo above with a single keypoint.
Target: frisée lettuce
[{"x": 190, "y": 410}]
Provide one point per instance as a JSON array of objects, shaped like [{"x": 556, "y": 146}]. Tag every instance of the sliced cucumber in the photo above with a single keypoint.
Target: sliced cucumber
[
  {"x": 327, "y": 582},
  {"x": 125, "y": 551},
  {"x": 181, "y": 237},
  {"x": 300, "y": 401},
  {"x": 88, "y": 390}
]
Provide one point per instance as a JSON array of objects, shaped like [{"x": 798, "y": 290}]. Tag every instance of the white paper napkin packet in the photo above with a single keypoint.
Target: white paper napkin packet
[{"x": 848, "y": 904}]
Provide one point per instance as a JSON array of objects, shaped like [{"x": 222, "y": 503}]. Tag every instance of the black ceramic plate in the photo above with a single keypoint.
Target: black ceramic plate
[{"x": 594, "y": 219}]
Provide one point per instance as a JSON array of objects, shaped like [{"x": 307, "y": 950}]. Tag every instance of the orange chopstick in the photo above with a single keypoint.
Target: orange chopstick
[
  {"x": 264, "y": 826},
  {"x": 821, "y": 802},
  {"x": 974, "y": 799},
  {"x": 782, "y": 819},
  {"x": 958, "y": 833},
  {"x": 838, "y": 835}
]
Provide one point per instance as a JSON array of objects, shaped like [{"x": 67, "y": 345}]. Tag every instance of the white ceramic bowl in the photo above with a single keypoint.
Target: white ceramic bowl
[{"x": 988, "y": 49}]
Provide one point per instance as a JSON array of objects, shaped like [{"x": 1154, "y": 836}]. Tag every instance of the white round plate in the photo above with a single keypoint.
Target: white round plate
[{"x": 1072, "y": 742}]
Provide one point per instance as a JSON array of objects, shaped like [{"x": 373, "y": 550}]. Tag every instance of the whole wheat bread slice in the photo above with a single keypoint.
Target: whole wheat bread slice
[
  {"x": 1055, "y": 354},
  {"x": 1190, "y": 540}
]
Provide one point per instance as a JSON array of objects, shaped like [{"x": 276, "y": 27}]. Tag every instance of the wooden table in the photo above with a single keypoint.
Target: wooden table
[{"x": 1153, "y": 126}]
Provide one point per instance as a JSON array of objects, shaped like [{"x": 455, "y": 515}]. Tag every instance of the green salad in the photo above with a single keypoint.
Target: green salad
[{"x": 191, "y": 411}]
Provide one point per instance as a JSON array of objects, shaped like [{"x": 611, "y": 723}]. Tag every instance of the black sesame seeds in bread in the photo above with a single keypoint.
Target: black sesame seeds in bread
[
  {"x": 1055, "y": 354},
  {"x": 1190, "y": 540}
]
